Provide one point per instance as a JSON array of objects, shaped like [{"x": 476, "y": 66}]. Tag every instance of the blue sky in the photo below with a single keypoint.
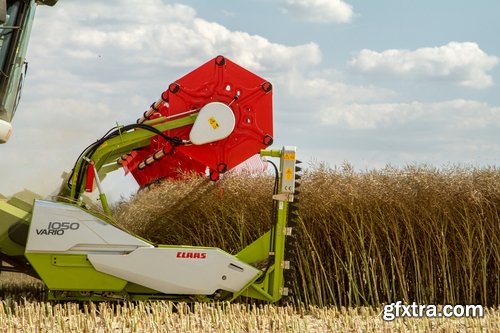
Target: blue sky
[{"x": 368, "y": 82}]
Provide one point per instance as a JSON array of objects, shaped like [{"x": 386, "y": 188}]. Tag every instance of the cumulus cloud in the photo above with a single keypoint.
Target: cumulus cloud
[
  {"x": 369, "y": 126},
  {"x": 324, "y": 90},
  {"x": 319, "y": 11},
  {"x": 48, "y": 136},
  {"x": 370, "y": 134},
  {"x": 452, "y": 115},
  {"x": 167, "y": 35},
  {"x": 437, "y": 133},
  {"x": 462, "y": 63}
]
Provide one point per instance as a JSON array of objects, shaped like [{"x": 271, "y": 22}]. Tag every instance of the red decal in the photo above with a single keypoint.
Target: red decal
[
  {"x": 191, "y": 255},
  {"x": 89, "y": 183}
]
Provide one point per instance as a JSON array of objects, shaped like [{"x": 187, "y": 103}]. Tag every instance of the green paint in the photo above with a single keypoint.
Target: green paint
[
  {"x": 72, "y": 272},
  {"x": 10, "y": 215},
  {"x": 113, "y": 148}
]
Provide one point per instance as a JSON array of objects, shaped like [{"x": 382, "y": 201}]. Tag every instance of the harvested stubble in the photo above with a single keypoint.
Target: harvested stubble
[
  {"x": 20, "y": 311},
  {"x": 365, "y": 238},
  {"x": 167, "y": 317}
]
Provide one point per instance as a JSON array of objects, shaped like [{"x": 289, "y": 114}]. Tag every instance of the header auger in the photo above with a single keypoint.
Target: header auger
[{"x": 208, "y": 122}]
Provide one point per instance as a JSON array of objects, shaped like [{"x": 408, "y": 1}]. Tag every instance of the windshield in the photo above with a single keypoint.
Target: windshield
[
  {"x": 6, "y": 32},
  {"x": 10, "y": 33}
]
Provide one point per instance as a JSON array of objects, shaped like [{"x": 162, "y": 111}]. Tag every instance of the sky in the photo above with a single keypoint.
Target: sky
[{"x": 372, "y": 83}]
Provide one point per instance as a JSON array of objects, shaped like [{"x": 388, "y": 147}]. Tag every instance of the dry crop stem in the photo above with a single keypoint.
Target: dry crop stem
[
  {"x": 167, "y": 317},
  {"x": 365, "y": 238},
  {"x": 22, "y": 311}
]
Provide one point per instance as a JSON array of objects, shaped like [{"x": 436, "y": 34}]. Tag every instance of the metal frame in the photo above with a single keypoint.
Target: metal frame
[{"x": 268, "y": 285}]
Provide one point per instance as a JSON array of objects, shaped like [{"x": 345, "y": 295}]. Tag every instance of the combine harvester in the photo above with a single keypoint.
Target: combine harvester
[{"x": 208, "y": 122}]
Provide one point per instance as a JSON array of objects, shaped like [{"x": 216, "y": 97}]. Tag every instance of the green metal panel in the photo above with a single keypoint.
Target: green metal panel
[
  {"x": 117, "y": 146},
  {"x": 276, "y": 283},
  {"x": 10, "y": 215},
  {"x": 270, "y": 286},
  {"x": 24, "y": 200},
  {"x": 110, "y": 150},
  {"x": 72, "y": 272},
  {"x": 258, "y": 291},
  {"x": 256, "y": 251}
]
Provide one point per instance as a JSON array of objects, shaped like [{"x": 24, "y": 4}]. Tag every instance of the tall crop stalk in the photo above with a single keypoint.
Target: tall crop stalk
[{"x": 365, "y": 238}]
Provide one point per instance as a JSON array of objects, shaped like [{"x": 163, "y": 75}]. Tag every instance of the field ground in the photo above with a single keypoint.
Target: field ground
[
  {"x": 363, "y": 239},
  {"x": 22, "y": 310}
]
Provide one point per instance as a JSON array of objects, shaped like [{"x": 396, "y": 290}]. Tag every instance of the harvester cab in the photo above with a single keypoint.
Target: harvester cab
[
  {"x": 16, "y": 19},
  {"x": 208, "y": 122}
]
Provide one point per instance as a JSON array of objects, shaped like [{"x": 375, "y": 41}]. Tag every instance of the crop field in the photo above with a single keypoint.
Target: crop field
[
  {"x": 23, "y": 310},
  {"x": 415, "y": 234},
  {"x": 364, "y": 239}
]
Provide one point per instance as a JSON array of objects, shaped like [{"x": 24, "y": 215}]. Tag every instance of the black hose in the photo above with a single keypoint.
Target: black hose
[
  {"x": 88, "y": 152},
  {"x": 275, "y": 222}
]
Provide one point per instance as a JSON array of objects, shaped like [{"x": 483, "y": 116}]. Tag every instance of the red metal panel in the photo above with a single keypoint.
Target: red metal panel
[{"x": 218, "y": 80}]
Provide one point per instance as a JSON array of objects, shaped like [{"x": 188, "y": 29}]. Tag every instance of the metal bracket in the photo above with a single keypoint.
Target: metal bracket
[
  {"x": 283, "y": 197},
  {"x": 285, "y": 264},
  {"x": 284, "y": 291}
]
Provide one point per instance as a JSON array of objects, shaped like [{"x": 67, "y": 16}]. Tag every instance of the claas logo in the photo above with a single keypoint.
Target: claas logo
[{"x": 191, "y": 255}]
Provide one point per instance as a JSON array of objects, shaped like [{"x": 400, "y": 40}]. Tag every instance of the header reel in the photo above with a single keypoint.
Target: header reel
[{"x": 234, "y": 121}]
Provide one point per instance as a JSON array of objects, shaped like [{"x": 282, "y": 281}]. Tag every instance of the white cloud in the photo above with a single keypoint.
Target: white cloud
[
  {"x": 462, "y": 63},
  {"x": 165, "y": 35},
  {"x": 319, "y": 11},
  {"x": 452, "y": 115},
  {"x": 370, "y": 135},
  {"x": 324, "y": 91},
  {"x": 48, "y": 136}
]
